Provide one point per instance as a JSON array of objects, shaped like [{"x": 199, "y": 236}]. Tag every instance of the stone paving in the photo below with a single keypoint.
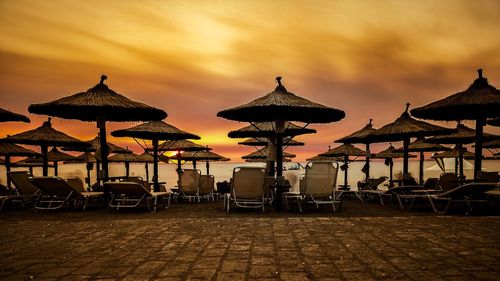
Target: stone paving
[{"x": 201, "y": 242}]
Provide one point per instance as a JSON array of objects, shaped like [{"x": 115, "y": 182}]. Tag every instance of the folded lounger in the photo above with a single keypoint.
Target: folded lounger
[{"x": 132, "y": 194}]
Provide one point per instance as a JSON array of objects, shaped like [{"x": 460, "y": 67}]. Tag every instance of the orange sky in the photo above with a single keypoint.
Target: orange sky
[{"x": 195, "y": 58}]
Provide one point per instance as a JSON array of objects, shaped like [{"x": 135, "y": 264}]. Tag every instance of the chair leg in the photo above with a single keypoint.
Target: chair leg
[{"x": 400, "y": 202}]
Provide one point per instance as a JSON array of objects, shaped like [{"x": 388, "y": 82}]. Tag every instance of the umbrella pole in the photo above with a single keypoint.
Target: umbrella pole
[
  {"x": 7, "y": 170},
  {"x": 456, "y": 165},
  {"x": 421, "y": 169},
  {"x": 97, "y": 167},
  {"x": 478, "y": 151},
  {"x": 279, "y": 164},
  {"x": 155, "y": 166},
  {"x": 101, "y": 124},
  {"x": 346, "y": 162},
  {"x": 147, "y": 171},
  {"x": 461, "y": 164},
  {"x": 89, "y": 167},
  {"x": 194, "y": 164},
  {"x": 208, "y": 168},
  {"x": 45, "y": 166},
  {"x": 367, "y": 161},
  {"x": 55, "y": 168},
  {"x": 31, "y": 170},
  {"x": 406, "y": 142},
  {"x": 127, "y": 169},
  {"x": 391, "y": 166},
  {"x": 179, "y": 167}
]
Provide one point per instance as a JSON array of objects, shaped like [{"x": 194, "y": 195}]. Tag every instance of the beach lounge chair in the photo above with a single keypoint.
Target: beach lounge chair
[
  {"x": 469, "y": 193},
  {"x": 247, "y": 188},
  {"x": 133, "y": 194},
  {"x": 57, "y": 193},
  {"x": 24, "y": 192},
  {"x": 319, "y": 185},
  {"x": 370, "y": 190},
  {"x": 207, "y": 183},
  {"x": 189, "y": 184},
  {"x": 412, "y": 193}
]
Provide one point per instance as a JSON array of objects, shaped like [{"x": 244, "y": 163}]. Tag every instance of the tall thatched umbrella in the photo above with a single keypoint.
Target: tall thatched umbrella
[
  {"x": 7, "y": 116},
  {"x": 389, "y": 154},
  {"x": 203, "y": 156},
  {"x": 362, "y": 136},
  {"x": 345, "y": 151},
  {"x": 89, "y": 159},
  {"x": 479, "y": 102},
  {"x": 131, "y": 158},
  {"x": 154, "y": 131},
  {"x": 179, "y": 146},
  {"x": 7, "y": 150},
  {"x": 45, "y": 136},
  {"x": 99, "y": 104},
  {"x": 462, "y": 135},
  {"x": 280, "y": 106},
  {"x": 421, "y": 146},
  {"x": 404, "y": 128}
]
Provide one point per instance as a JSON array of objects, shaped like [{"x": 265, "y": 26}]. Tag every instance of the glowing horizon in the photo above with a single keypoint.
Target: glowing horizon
[{"x": 195, "y": 58}]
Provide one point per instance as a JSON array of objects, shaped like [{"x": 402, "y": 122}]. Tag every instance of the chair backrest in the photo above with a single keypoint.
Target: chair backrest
[
  {"x": 447, "y": 181},
  {"x": 320, "y": 178},
  {"x": 207, "y": 183},
  {"x": 488, "y": 176},
  {"x": 52, "y": 186},
  {"x": 189, "y": 181},
  {"x": 248, "y": 182},
  {"x": 21, "y": 181},
  {"x": 76, "y": 184},
  {"x": 126, "y": 188},
  {"x": 373, "y": 184},
  {"x": 138, "y": 180}
]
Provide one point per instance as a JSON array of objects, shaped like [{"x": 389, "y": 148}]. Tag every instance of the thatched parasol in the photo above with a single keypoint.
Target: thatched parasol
[
  {"x": 45, "y": 136},
  {"x": 389, "y": 154},
  {"x": 420, "y": 145},
  {"x": 264, "y": 142},
  {"x": 280, "y": 106},
  {"x": 404, "y": 128},
  {"x": 362, "y": 136},
  {"x": 7, "y": 116},
  {"x": 264, "y": 160},
  {"x": 100, "y": 104},
  {"x": 479, "y": 102},
  {"x": 30, "y": 163},
  {"x": 494, "y": 122},
  {"x": 131, "y": 158},
  {"x": 492, "y": 144},
  {"x": 268, "y": 130},
  {"x": 462, "y": 135},
  {"x": 7, "y": 150},
  {"x": 95, "y": 146},
  {"x": 154, "y": 131},
  {"x": 55, "y": 156},
  {"x": 89, "y": 159},
  {"x": 179, "y": 146},
  {"x": 455, "y": 153},
  {"x": 263, "y": 154},
  {"x": 318, "y": 158},
  {"x": 207, "y": 156},
  {"x": 345, "y": 151}
]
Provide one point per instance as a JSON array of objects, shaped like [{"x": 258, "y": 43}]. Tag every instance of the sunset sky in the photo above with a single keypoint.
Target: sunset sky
[{"x": 195, "y": 58}]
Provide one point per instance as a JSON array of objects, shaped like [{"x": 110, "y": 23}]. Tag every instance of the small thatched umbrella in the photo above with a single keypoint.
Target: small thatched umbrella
[
  {"x": 264, "y": 154},
  {"x": 460, "y": 153},
  {"x": 202, "y": 156},
  {"x": 179, "y": 146},
  {"x": 265, "y": 142},
  {"x": 280, "y": 106},
  {"x": 421, "y": 146},
  {"x": 154, "y": 131},
  {"x": 389, "y": 154},
  {"x": 494, "y": 122},
  {"x": 404, "y": 128},
  {"x": 462, "y": 135},
  {"x": 264, "y": 160},
  {"x": 131, "y": 158},
  {"x": 99, "y": 104},
  {"x": 7, "y": 150},
  {"x": 318, "y": 158},
  {"x": 479, "y": 102},
  {"x": 45, "y": 136},
  {"x": 89, "y": 159},
  {"x": 345, "y": 151},
  {"x": 7, "y": 116},
  {"x": 30, "y": 163},
  {"x": 362, "y": 136},
  {"x": 55, "y": 156}
]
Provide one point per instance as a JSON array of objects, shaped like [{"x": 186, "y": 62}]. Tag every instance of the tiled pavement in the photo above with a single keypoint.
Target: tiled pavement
[{"x": 200, "y": 242}]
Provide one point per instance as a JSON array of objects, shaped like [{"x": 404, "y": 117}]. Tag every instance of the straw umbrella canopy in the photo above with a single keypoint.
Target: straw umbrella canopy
[
  {"x": 7, "y": 116},
  {"x": 462, "y": 135},
  {"x": 264, "y": 142},
  {"x": 264, "y": 160},
  {"x": 420, "y": 145},
  {"x": 492, "y": 144},
  {"x": 404, "y": 128},
  {"x": 88, "y": 158},
  {"x": 460, "y": 153},
  {"x": 318, "y": 158},
  {"x": 131, "y": 158},
  {"x": 207, "y": 156},
  {"x": 95, "y": 145},
  {"x": 154, "y": 131},
  {"x": 99, "y": 104},
  {"x": 45, "y": 136},
  {"x": 55, "y": 156},
  {"x": 478, "y": 102},
  {"x": 389, "y": 154},
  {"x": 264, "y": 154},
  {"x": 345, "y": 151},
  {"x": 268, "y": 130},
  {"x": 362, "y": 136},
  {"x": 181, "y": 145},
  {"x": 494, "y": 122},
  {"x": 30, "y": 163},
  {"x": 8, "y": 150}
]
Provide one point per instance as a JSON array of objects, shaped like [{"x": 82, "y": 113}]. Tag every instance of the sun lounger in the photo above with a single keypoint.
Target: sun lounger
[
  {"x": 446, "y": 181},
  {"x": 247, "y": 188},
  {"x": 371, "y": 191},
  {"x": 25, "y": 192},
  {"x": 189, "y": 184},
  {"x": 57, "y": 193},
  {"x": 206, "y": 185},
  {"x": 133, "y": 194}
]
